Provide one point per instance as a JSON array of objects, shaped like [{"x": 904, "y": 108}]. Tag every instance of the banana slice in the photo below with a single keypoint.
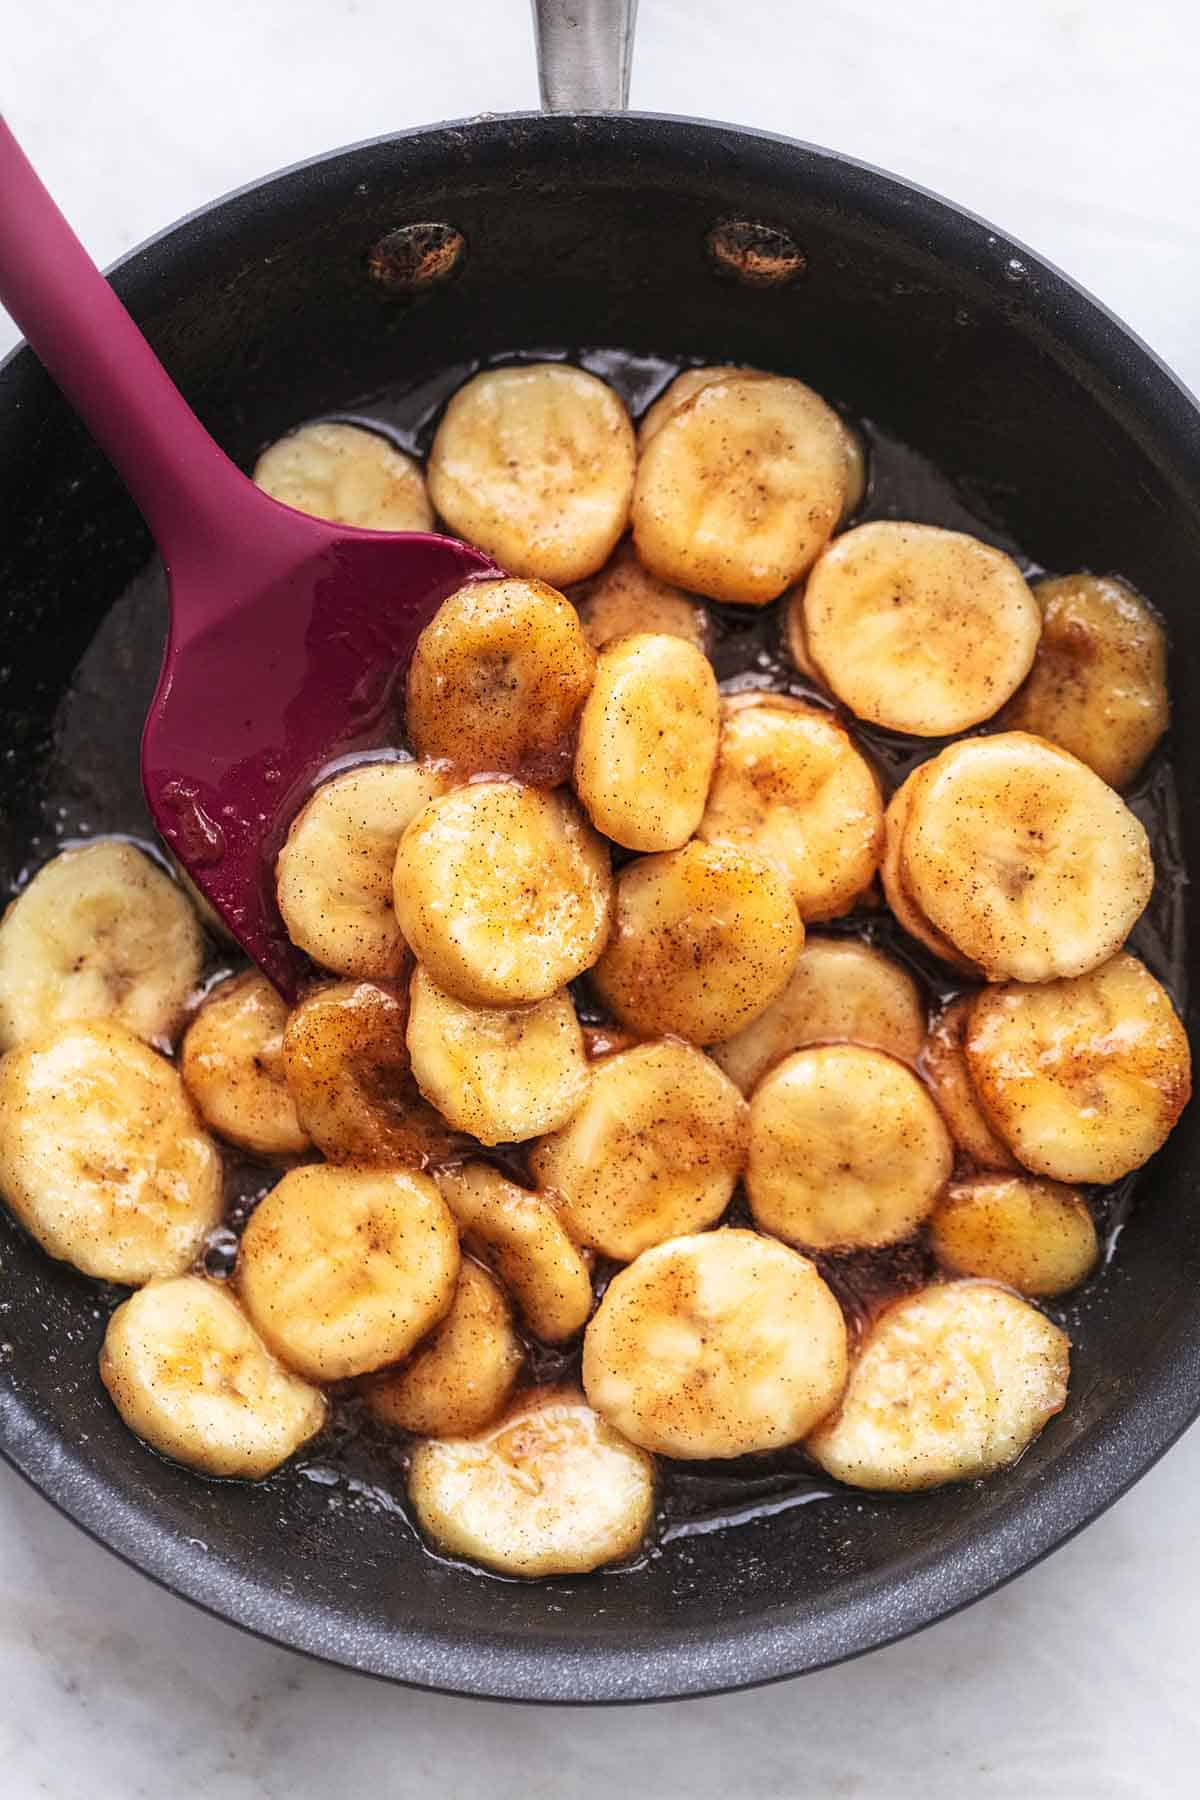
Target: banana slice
[
  {"x": 100, "y": 932},
  {"x": 648, "y": 741},
  {"x": 535, "y": 465},
  {"x": 343, "y": 1271},
  {"x": 504, "y": 892},
  {"x": 191, "y": 1377},
  {"x": 654, "y": 1151},
  {"x": 791, "y": 788},
  {"x": 919, "y": 629},
  {"x": 102, "y": 1156},
  {"x": 1083, "y": 1078},
  {"x": 1098, "y": 686},
  {"x": 626, "y": 597},
  {"x": 334, "y": 874},
  {"x": 716, "y": 1346},
  {"x": 704, "y": 939},
  {"x": 523, "y": 1236},
  {"x": 348, "y": 475},
  {"x": 795, "y": 637},
  {"x": 1034, "y": 1236},
  {"x": 501, "y": 1074},
  {"x": 847, "y": 1150},
  {"x": 549, "y": 1490},
  {"x": 1023, "y": 858},
  {"x": 497, "y": 680},
  {"x": 464, "y": 1373},
  {"x": 232, "y": 1066},
  {"x": 944, "y": 1066},
  {"x": 891, "y": 874},
  {"x": 345, "y": 1055},
  {"x": 950, "y": 1384},
  {"x": 740, "y": 487},
  {"x": 841, "y": 991}
]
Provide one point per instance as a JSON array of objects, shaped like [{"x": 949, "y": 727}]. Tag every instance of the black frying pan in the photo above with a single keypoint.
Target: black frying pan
[{"x": 288, "y": 300}]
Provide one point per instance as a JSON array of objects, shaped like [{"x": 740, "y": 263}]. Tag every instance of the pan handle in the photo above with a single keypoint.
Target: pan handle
[{"x": 584, "y": 49}]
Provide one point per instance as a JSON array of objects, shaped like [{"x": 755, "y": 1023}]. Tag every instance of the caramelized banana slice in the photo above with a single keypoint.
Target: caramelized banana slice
[
  {"x": 191, "y": 1377},
  {"x": 503, "y": 1074},
  {"x": 919, "y": 629},
  {"x": 791, "y": 788},
  {"x": 716, "y": 1346},
  {"x": 497, "y": 680},
  {"x": 648, "y": 741},
  {"x": 232, "y": 1066},
  {"x": 1083, "y": 1078},
  {"x": 1098, "y": 686},
  {"x": 704, "y": 939},
  {"x": 944, "y": 1065},
  {"x": 535, "y": 465},
  {"x": 1034, "y": 1236},
  {"x": 100, "y": 932},
  {"x": 345, "y": 1055},
  {"x": 654, "y": 1150},
  {"x": 504, "y": 892},
  {"x": 334, "y": 873},
  {"x": 1023, "y": 858},
  {"x": 891, "y": 874},
  {"x": 462, "y": 1375},
  {"x": 626, "y": 597},
  {"x": 740, "y": 487},
  {"x": 348, "y": 475},
  {"x": 102, "y": 1156},
  {"x": 523, "y": 1236},
  {"x": 949, "y": 1384},
  {"x": 343, "y": 1271},
  {"x": 549, "y": 1490},
  {"x": 841, "y": 991},
  {"x": 847, "y": 1150}
]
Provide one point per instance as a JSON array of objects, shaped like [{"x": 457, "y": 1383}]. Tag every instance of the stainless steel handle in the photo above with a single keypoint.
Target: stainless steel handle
[{"x": 584, "y": 49}]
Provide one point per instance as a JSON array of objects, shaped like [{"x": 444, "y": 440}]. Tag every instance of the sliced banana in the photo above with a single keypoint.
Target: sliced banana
[
  {"x": 891, "y": 874},
  {"x": 345, "y": 1055},
  {"x": 1023, "y": 858},
  {"x": 504, "y": 892},
  {"x": 334, "y": 874},
  {"x": 343, "y": 1271},
  {"x": 462, "y": 1376},
  {"x": 949, "y": 1384},
  {"x": 790, "y": 787},
  {"x": 654, "y": 1151},
  {"x": 626, "y": 597},
  {"x": 348, "y": 475},
  {"x": 535, "y": 465},
  {"x": 232, "y": 1066},
  {"x": 840, "y": 991},
  {"x": 944, "y": 1065},
  {"x": 1085, "y": 1078},
  {"x": 740, "y": 488},
  {"x": 1035, "y": 1236},
  {"x": 648, "y": 741},
  {"x": 549, "y": 1490},
  {"x": 192, "y": 1378},
  {"x": 99, "y": 933},
  {"x": 102, "y": 1156},
  {"x": 497, "y": 680},
  {"x": 1098, "y": 686},
  {"x": 503, "y": 1074},
  {"x": 716, "y": 1346},
  {"x": 522, "y": 1235},
  {"x": 796, "y": 637},
  {"x": 847, "y": 1150},
  {"x": 704, "y": 938},
  {"x": 919, "y": 629}
]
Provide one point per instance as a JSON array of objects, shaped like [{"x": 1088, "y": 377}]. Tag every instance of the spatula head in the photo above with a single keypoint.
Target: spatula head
[{"x": 255, "y": 704}]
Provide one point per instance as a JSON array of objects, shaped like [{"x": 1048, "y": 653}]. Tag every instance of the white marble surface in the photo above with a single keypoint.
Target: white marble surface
[{"x": 1073, "y": 123}]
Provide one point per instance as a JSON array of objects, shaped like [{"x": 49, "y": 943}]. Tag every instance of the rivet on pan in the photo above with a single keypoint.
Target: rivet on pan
[
  {"x": 414, "y": 258},
  {"x": 755, "y": 254}
]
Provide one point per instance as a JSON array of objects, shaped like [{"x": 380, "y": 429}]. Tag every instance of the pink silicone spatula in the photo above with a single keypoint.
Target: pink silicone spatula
[{"x": 288, "y": 636}]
